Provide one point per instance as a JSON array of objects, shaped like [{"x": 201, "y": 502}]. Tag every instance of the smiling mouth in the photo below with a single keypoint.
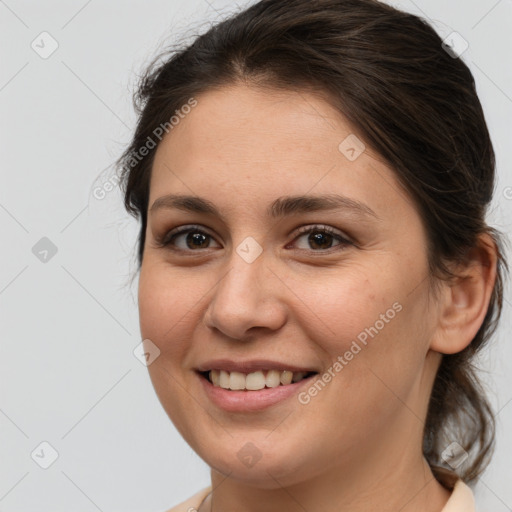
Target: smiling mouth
[{"x": 254, "y": 381}]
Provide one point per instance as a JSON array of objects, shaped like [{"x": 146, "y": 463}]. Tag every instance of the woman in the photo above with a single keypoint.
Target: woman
[{"x": 316, "y": 272}]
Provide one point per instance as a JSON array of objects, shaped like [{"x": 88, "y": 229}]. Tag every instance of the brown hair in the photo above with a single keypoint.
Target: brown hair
[{"x": 413, "y": 103}]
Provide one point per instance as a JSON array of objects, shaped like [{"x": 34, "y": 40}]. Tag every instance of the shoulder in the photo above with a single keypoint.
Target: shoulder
[
  {"x": 461, "y": 499},
  {"x": 192, "y": 504}
]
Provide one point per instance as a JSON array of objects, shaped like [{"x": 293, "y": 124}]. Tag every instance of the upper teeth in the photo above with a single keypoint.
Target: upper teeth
[{"x": 255, "y": 380}]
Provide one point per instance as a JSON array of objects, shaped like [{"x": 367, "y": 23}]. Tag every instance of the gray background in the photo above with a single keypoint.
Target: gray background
[{"x": 69, "y": 324}]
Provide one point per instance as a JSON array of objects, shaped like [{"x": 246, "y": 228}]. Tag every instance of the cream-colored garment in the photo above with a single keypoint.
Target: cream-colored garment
[
  {"x": 192, "y": 504},
  {"x": 461, "y": 500}
]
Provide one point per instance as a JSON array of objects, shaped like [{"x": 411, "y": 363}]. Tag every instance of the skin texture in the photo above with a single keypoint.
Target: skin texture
[{"x": 357, "y": 444}]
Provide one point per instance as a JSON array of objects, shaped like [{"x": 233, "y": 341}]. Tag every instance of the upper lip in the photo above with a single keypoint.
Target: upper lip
[{"x": 249, "y": 366}]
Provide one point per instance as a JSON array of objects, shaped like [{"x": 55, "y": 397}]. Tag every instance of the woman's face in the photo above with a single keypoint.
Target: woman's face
[{"x": 257, "y": 284}]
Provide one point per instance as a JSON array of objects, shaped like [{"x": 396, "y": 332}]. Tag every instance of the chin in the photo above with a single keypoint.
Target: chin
[{"x": 270, "y": 467}]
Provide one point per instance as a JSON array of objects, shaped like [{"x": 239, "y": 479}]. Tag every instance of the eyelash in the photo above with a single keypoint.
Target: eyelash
[{"x": 168, "y": 239}]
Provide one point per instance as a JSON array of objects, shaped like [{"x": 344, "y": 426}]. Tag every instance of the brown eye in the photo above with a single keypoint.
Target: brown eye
[
  {"x": 322, "y": 238},
  {"x": 187, "y": 239},
  {"x": 196, "y": 240}
]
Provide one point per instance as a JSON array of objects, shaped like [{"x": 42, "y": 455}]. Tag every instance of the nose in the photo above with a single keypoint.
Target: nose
[{"x": 246, "y": 300}]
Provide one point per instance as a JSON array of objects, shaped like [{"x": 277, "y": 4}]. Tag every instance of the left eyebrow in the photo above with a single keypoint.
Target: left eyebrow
[
  {"x": 289, "y": 205},
  {"x": 280, "y": 207}
]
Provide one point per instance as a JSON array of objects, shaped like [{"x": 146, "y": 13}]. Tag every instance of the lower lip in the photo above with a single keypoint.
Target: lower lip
[{"x": 236, "y": 401}]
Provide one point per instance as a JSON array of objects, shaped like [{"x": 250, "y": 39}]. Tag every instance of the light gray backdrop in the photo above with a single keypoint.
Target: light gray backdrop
[{"x": 69, "y": 321}]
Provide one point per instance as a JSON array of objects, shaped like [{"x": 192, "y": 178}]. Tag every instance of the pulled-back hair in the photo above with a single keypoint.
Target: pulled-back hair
[{"x": 408, "y": 99}]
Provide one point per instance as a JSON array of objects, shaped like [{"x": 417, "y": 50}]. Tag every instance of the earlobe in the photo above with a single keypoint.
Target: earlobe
[{"x": 465, "y": 299}]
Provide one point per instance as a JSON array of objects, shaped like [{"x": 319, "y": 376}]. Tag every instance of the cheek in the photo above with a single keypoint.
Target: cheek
[
  {"x": 166, "y": 300},
  {"x": 373, "y": 327},
  {"x": 164, "y": 303},
  {"x": 355, "y": 304}
]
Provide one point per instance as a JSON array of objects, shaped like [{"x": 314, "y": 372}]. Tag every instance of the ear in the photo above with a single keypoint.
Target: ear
[{"x": 464, "y": 301}]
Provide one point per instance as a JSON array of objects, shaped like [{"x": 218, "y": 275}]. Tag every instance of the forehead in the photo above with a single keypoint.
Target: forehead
[
  {"x": 250, "y": 119},
  {"x": 263, "y": 143}
]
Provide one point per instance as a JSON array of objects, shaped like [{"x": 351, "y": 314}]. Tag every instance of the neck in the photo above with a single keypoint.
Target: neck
[
  {"x": 385, "y": 477},
  {"x": 403, "y": 488}
]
